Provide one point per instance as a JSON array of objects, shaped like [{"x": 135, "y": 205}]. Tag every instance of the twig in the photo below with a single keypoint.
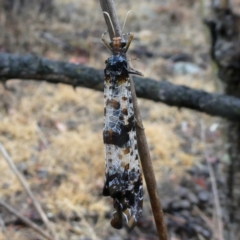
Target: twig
[
  {"x": 214, "y": 185},
  {"x": 42, "y": 136},
  {"x": 28, "y": 190},
  {"x": 56, "y": 41},
  {"x": 148, "y": 170},
  {"x": 108, "y": 6},
  {"x": 84, "y": 222},
  {"x": 25, "y": 220},
  {"x": 205, "y": 218},
  {"x": 200, "y": 237},
  {"x": 178, "y": 220}
]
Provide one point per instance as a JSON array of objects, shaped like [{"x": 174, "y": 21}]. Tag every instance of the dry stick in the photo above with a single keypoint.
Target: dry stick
[
  {"x": 42, "y": 136},
  {"x": 84, "y": 221},
  {"x": 108, "y": 6},
  {"x": 213, "y": 184},
  {"x": 25, "y": 220},
  {"x": 148, "y": 170},
  {"x": 28, "y": 190},
  {"x": 207, "y": 220}
]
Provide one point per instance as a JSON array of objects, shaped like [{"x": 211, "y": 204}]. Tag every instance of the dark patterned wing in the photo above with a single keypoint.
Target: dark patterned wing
[{"x": 123, "y": 180}]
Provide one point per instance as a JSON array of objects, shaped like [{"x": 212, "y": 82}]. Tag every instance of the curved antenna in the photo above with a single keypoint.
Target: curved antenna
[
  {"x": 109, "y": 18},
  {"x": 125, "y": 20}
]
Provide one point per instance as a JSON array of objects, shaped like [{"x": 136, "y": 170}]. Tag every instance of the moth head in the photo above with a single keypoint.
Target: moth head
[{"x": 117, "y": 44}]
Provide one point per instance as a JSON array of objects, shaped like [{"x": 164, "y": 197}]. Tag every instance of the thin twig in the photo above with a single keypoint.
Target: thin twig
[
  {"x": 28, "y": 190},
  {"x": 178, "y": 220},
  {"x": 207, "y": 220},
  {"x": 42, "y": 136},
  {"x": 25, "y": 220},
  {"x": 84, "y": 222},
  {"x": 108, "y": 6},
  {"x": 148, "y": 170},
  {"x": 213, "y": 184},
  {"x": 49, "y": 37}
]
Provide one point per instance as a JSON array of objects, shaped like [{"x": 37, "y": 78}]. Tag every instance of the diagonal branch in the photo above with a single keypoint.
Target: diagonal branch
[
  {"x": 29, "y": 67},
  {"x": 25, "y": 220}
]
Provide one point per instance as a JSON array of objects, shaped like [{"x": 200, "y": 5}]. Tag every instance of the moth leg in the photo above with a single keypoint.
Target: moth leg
[
  {"x": 129, "y": 41},
  {"x": 133, "y": 59},
  {"x": 126, "y": 34},
  {"x": 105, "y": 41},
  {"x": 132, "y": 71}
]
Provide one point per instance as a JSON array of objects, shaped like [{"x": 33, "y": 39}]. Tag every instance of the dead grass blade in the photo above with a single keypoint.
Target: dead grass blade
[
  {"x": 28, "y": 190},
  {"x": 213, "y": 184},
  {"x": 87, "y": 227},
  {"x": 25, "y": 220}
]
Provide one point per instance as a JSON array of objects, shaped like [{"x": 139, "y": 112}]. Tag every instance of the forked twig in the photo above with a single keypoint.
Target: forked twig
[
  {"x": 108, "y": 6},
  {"x": 28, "y": 190},
  {"x": 213, "y": 184},
  {"x": 25, "y": 220}
]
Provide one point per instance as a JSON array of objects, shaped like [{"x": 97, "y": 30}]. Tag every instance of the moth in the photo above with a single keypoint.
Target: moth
[{"x": 123, "y": 178}]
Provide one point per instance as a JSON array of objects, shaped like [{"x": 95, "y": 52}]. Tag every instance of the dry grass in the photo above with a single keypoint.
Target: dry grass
[{"x": 54, "y": 134}]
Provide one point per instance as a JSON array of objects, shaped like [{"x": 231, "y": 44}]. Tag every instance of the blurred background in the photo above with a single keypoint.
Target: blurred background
[{"x": 54, "y": 133}]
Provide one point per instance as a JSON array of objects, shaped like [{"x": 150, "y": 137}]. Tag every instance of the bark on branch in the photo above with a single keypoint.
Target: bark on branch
[
  {"x": 224, "y": 26},
  {"x": 30, "y": 67}
]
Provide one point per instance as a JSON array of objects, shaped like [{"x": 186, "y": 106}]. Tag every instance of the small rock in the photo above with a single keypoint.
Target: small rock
[
  {"x": 182, "y": 192},
  {"x": 72, "y": 125},
  {"x": 203, "y": 196},
  {"x": 180, "y": 205},
  {"x": 192, "y": 198},
  {"x": 183, "y": 68},
  {"x": 206, "y": 233},
  {"x": 42, "y": 173}
]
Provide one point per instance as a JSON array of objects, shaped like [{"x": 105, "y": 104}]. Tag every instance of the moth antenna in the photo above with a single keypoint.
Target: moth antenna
[
  {"x": 125, "y": 20},
  {"x": 110, "y": 20}
]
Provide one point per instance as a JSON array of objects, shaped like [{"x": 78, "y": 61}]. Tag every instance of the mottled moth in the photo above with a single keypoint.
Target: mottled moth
[{"x": 123, "y": 180}]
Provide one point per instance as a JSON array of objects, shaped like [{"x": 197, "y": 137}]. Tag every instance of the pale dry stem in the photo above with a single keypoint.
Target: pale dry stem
[
  {"x": 28, "y": 190},
  {"x": 214, "y": 185},
  {"x": 25, "y": 220}
]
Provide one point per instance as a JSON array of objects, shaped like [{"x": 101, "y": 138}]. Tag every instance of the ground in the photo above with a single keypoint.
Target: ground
[{"x": 53, "y": 133}]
